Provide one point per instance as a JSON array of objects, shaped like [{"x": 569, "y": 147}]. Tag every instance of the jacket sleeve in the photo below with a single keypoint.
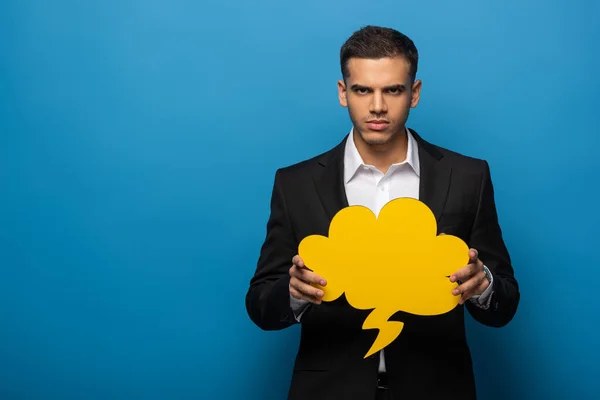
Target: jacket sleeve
[
  {"x": 486, "y": 237},
  {"x": 268, "y": 297}
]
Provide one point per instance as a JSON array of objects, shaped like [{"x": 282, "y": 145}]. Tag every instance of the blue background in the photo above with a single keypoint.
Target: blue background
[{"x": 138, "y": 144}]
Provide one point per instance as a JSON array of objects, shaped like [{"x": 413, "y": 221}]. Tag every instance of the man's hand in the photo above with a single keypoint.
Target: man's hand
[
  {"x": 471, "y": 278},
  {"x": 300, "y": 282}
]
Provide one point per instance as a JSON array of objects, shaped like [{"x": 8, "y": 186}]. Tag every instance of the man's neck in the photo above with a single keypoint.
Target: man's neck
[{"x": 382, "y": 156}]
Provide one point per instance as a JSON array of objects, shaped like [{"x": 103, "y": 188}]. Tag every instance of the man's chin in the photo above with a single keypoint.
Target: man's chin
[{"x": 375, "y": 138}]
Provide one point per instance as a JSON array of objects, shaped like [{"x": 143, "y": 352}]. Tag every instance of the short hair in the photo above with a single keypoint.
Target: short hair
[{"x": 378, "y": 42}]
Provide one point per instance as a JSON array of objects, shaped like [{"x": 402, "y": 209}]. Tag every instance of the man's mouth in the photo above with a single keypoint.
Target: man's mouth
[{"x": 377, "y": 124}]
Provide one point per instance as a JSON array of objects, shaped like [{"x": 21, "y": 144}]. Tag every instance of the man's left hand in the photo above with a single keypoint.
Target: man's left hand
[{"x": 471, "y": 278}]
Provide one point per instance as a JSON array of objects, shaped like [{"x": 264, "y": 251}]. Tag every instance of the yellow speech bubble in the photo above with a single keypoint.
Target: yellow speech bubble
[{"x": 394, "y": 262}]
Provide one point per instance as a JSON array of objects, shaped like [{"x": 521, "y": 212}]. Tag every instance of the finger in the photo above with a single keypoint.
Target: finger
[
  {"x": 470, "y": 269},
  {"x": 301, "y": 296},
  {"x": 473, "y": 256},
  {"x": 478, "y": 290},
  {"x": 306, "y": 289},
  {"x": 298, "y": 261},
  {"x": 470, "y": 287},
  {"x": 307, "y": 276},
  {"x": 464, "y": 274}
]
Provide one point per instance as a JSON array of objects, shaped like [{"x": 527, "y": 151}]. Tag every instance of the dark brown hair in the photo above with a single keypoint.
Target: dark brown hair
[{"x": 378, "y": 42}]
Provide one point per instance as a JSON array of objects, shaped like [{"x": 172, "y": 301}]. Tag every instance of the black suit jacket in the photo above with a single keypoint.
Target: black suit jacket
[{"x": 430, "y": 359}]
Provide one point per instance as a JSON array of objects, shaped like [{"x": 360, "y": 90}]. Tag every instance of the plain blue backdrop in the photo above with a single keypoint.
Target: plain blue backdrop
[{"x": 138, "y": 144}]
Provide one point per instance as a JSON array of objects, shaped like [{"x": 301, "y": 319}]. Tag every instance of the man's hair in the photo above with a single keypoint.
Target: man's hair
[{"x": 378, "y": 42}]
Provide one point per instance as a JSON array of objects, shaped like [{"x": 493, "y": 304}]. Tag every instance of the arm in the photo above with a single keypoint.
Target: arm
[
  {"x": 486, "y": 237},
  {"x": 268, "y": 298}
]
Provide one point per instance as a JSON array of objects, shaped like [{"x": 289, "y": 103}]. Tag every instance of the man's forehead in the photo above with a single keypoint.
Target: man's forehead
[{"x": 379, "y": 71}]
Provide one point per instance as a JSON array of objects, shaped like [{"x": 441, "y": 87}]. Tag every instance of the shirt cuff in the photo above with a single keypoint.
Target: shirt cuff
[
  {"x": 298, "y": 307},
  {"x": 484, "y": 299}
]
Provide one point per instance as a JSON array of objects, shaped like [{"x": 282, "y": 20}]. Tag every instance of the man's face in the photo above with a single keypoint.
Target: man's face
[{"x": 379, "y": 94}]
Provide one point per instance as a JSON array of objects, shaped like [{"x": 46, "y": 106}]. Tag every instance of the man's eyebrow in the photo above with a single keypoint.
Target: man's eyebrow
[{"x": 398, "y": 86}]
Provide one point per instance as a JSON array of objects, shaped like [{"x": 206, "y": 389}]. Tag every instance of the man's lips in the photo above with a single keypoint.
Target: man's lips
[{"x": 377, "y": 124}]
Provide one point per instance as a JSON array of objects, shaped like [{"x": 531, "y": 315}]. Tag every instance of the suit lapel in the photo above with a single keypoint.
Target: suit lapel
[
  {"x": 433, "y": 187},
  {"x": 330, "y": 181},
  {"x": 435, "y": 177}
]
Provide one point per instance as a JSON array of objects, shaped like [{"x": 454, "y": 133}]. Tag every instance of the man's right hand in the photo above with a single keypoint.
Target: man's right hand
[{"x": 300, "y": 282}]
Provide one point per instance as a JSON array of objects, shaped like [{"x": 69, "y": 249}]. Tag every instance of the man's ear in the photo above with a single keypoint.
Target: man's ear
[
  {"x": 416, "y": 93},
  {"x": 342, "y": 93}
]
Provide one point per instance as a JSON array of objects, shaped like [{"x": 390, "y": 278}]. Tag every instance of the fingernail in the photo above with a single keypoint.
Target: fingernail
[
  {"x": 323, "y": 282},
  {"x": 320, "y": 293},
  {"x": 455, "y": 292},
  {"x": 453, "y": 278}
]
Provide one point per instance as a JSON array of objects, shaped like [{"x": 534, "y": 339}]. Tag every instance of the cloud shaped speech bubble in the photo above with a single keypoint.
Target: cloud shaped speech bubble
[{"x": 395, "y": 262}]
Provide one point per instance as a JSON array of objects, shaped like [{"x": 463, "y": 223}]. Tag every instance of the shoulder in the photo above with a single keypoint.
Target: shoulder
[
  {"x": 311, "y": 166},
  {"x": 467, "y": 170},
  {"x": 461, "y": 161}
]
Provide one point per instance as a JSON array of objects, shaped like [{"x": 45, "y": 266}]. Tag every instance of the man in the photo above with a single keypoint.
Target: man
[{"x": 378, "y": 161}]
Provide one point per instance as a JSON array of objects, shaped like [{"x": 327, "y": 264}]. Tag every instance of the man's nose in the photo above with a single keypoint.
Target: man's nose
[{"x": 378, "y": 103}]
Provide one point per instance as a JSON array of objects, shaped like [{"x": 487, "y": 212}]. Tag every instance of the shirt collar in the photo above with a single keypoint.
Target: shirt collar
[{"x": 353, "y": 161}]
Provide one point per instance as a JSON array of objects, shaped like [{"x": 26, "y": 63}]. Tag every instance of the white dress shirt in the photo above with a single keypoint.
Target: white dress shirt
[{"x": 365, "y": 185}]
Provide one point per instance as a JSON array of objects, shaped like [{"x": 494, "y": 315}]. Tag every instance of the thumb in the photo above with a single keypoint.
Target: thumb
[{"x": 473, "y": 255}]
